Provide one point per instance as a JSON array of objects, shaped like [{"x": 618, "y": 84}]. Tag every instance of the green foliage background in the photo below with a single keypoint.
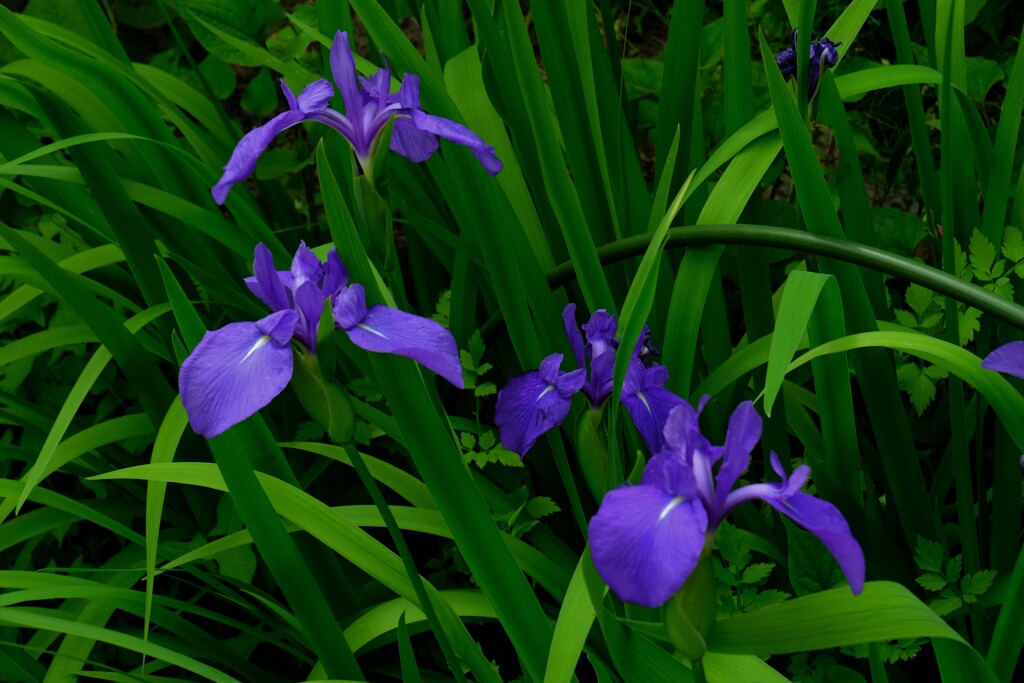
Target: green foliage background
[{"x": 847, "y": 262}]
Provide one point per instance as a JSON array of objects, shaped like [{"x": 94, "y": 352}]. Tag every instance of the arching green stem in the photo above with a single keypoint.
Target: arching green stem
[{"x": 798, "y": 240}]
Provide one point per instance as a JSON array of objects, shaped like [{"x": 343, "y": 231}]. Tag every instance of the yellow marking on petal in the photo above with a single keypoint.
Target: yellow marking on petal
[
  {"x": 546, "y": 390},
  {"x": 643, "y": 399},
  {"x": 371, "y": 330},
  {"x": 259, "y": 342},
  {"x": 668, "y": 508}
]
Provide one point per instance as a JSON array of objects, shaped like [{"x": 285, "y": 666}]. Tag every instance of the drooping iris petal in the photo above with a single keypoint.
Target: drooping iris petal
[
  {"x": 266, "y": 282},
  {"x": 1008, "y": 358},
  {"x": 248, "y": 150},
  {"x": 459, "y": 134},
  {"x": 646, "y": 542},
  {"x": 313, "y": 99},
  {"x": 825, "y": 521},
  {"x": 531, "y": 404},
  {"x": 389, "y": 330},
  {"x": 743, "y": 434},
  {"x": 411, "y": 142},
  {"x": 235, "y": 371},
  {"x": 648, "y": 401}
]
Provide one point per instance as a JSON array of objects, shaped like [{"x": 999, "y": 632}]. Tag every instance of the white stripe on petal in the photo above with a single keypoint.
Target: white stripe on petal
[
  {"x": 668, "y": 508},
  {"x": 255, "y": 347},
  {"x": 372, "y": 331}
]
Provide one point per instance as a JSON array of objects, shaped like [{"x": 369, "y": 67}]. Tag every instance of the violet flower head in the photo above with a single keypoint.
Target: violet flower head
[
  {"x": 369, "y": 106},
  {"x": 824, "y": 54},
  {"x": 535, "y": 402},
  {"x": 647, "y": 539},
  {"x": 240, "y": 368}
]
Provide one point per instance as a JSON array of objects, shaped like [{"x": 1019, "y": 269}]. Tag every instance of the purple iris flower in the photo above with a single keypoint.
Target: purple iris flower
[
  {"x": 824, "y": 53},
  {"x": 368, "y": 109},
  {"x": 647, "y": 539},
  {"x": 533, "y": 403},
  {"x": 240, "y": 368}
]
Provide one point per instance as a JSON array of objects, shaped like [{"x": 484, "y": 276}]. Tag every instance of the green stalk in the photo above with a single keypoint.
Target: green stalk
[
  {"x": 800, "y": 241},
  {"x": 915, "y": 110},
  {"x": 951, "y": 223},
  {"x": 803, "y": 49}
]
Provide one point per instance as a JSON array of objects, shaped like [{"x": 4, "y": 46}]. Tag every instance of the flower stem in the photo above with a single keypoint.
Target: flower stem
[
  {"x": 698, "y": 671},
  {"x": 799, "y": 240}
]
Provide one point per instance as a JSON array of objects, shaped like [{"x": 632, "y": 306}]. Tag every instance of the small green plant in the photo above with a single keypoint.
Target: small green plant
[
  {"x": 741, "y": 584},
  {"x": 925, "y": 311},
  {"x": 486, "y": 449},
  {"x": 525, "y": 512},
  {"x": 946, "y": 577},
  {"x": 473, "y": 368},
  {"x": 822, "y": 667},
  {"x": 890, "y": 652}
]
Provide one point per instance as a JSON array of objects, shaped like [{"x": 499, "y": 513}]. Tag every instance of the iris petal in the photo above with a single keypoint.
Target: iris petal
[
  {"x": 602, "y": 378},
  {"x": 787, "y": 61},
  {"x": 646, "y": 542},
  {"x": 314, "y": 97},
  {"x": 343, "y": 67},
  {"x": 1008, "y": 358},
  {"x": 825, "y": 521},
  {"x": 408, "y": 95},
  {"x": 266, "y": 282},
  {"x": 389, "y": 330},
  {"x": 648, "y": 401},
  {"x": 411, "y": 142},
  {"x": 335, "y": 274},
  {"x": 743, "y": 434},
  {"x": 235, "y": 371},
  {"x": 600, "y": 331},
  {"x": 573, "y": 334},
  {"x": 306, "y": 267},
  {"x": 530, "y": 405},
  {"x": 309, "y": 304},
  {"x": 248, "y": 150},
  {"x": 670, "y": 472},
  {"x": 459, "y": 134}
]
